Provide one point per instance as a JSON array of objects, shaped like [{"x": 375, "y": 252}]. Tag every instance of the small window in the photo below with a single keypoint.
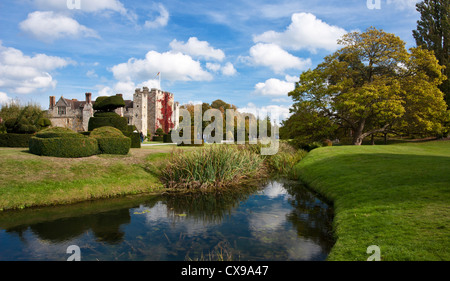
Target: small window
[{"x": 61, "y": 110}]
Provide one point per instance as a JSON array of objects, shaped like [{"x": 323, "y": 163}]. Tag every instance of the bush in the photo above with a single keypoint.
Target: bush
[
  {"x": 57, "y": 132},
  {"x": 44, "y": 123},
  {"x": 159, "y": 132},
  {"x": 114, "y": 145},
  {"x": 135, "y": 139},
  {"x": 108, "y": 103},
  {"x": 106, "y": 114},
  {"x": 69, "y": 147},
  {"x": 158, "y": 138},
  {"x": 15, "y": 140},
  {"x": 106, "y": 132},
  {"x": 111, "y": 140},
  {"x": 19, "y": 126},
  {"x": 117, "y": 122},
  {"x": 167, "y": 138}
]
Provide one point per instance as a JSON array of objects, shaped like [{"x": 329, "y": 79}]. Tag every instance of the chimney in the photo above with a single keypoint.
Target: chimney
[
  {"x": 88, "y": 98},
  {"x": 120, "y": 95},
  {"x": 52, "y": 102}
]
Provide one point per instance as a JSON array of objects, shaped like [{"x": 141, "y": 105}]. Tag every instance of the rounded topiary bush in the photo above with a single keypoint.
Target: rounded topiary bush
[
  {"x": 62, "y": 142},
  {"x": 57, "y": 132},
  {"x": 118, "y": 122},
  {"x": 111, "y": 140}
]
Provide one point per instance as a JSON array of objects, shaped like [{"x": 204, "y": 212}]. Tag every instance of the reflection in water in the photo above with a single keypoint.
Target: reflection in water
[{"x": 280, "y": 221}]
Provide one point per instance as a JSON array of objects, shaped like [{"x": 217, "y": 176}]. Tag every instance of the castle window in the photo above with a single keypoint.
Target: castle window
[{"x": 61, "y": 110}]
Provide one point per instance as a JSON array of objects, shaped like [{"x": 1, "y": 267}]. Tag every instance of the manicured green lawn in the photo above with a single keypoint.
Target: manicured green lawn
[
  {"x": 29, "y": 180},
  {"x": 396, "y": 197}
]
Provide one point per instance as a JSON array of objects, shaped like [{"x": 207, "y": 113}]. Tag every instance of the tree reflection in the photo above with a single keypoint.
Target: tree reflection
[{"x": 311, "y": 217}]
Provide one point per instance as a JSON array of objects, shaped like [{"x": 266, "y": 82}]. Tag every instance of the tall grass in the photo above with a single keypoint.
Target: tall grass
[
  {"x": 214, "y": 166},
  {"x": 283, "y": 162}
]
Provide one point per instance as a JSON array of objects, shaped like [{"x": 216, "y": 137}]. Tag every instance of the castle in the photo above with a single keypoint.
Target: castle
[{"x": 148, "y": 111}]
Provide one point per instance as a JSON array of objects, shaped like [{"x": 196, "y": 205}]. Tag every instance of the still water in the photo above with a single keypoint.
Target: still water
[{"x": 280, "y": 220}]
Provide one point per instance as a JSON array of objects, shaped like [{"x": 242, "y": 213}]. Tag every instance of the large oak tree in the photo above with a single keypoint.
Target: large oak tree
[{"x": 374, "y": 85}]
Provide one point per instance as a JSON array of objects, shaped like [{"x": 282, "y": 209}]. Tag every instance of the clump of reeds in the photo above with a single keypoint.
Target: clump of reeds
[
  {"x": 282, "y": 163},
  {"x": 214, "y": 166}
]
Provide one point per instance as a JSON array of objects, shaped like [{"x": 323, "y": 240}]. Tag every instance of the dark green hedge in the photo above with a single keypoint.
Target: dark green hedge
[
  {"x": 106, "y": 114},
  {"x": 118, "y": 122},
  {"x": 158, "y": 138},
  {"x": 167, "y": 138},
  {"x": 114, "y": 145},
  {"x": 135, "y": 139},
  {"x": 108, "y": 103},
  {"x": 57, "y": 132},
  {"x": 68, "y": 147},
  {"x": 15, "y": 140}
]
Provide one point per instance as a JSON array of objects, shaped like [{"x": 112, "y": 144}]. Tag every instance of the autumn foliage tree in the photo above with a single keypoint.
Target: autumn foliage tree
[{"x": 373, "y": 85}]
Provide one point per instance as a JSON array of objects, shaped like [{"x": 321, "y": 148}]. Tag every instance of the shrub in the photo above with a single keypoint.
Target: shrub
[
  {"x": 15, "y": 140},
  {"x": 69, "y": 147},
  {"x": 118, "y": 122},
  {"x": 135, "y": 139},
  {"x": 158, "y": 138},
  {"x": 43, "y": 123},
  {"x": 106, "y": 132},
  {"x": 106, "y": 114},
  {"x": 159, "y": 132},
  {"x": 19, "y": 126},
  {"x": 57, "y": 132},
  {"x": 215, "y": 166},
  {"x": 108, "y": 103},
  {"x": 134, "y": 136},
  {"x": 111, "y": 140},
  {"x": 167, "y": 138},
  {"x": 114, "y": 145}
]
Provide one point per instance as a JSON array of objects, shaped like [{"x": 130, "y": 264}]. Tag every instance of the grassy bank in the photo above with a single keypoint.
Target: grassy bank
[
  {"x": 29, "y": 180},
  {"x": 396, "y": 197}
]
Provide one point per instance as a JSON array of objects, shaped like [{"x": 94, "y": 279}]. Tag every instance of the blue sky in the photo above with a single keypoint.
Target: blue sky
[{"x": 248, "y": 53}]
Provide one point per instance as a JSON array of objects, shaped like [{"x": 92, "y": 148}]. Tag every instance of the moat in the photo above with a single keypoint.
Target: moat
[{"x": 280, "y": 220}]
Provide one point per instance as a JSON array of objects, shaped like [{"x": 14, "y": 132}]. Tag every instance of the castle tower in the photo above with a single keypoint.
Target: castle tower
[
  {"x": 161, "y": 111},
  {"x": 140, "y": 107}
]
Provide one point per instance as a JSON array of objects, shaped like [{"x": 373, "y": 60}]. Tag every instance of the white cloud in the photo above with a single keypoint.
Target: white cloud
[
  {"x": 276, "y": 112},
  {"x": 4, "y": 98},
  {"x": 159, "y": 21},
  {"x": 274, "y": 87},
  {"x": 196, "y": 48},
  {"x": 173, "y": 67},
  {"x": 91, "y": 74},
  {"x": 304, "y": 32},
  {"x": 227, "y": 70},
  {"x": 213, "y": 66},
  {"x": 23, "y": 74},
  {"x": 85, "y": 6},
  {"x": 126, "y": 88},
  {"x": 48, "y": 26},
  {"x": 276, "y": 58}
]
